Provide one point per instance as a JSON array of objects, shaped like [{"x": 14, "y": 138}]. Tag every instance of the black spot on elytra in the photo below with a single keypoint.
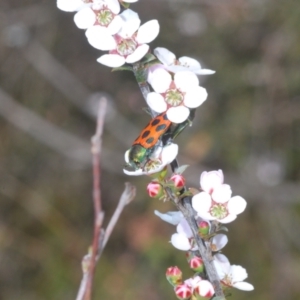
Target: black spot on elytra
[
  {"x": 165, "y": 117},
  {"x": 150, "y": 140},
  {"x": 160, "y": 127},
  {"x": 145, "y": 134},
  {"x": 155, "y": 122}
]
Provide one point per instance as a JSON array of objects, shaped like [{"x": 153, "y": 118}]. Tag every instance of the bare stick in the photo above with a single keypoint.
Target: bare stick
[{"x": 98, "y": 218}]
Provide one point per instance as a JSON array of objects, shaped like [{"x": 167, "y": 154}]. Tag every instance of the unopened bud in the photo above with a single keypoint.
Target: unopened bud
[
  {"x": 203, "y": 228},
  {"x": 196, "y": 264},
  {"x": 154, "y": 189},
  {"x": 204, "y": 289},
  {"x": 183, "y": 291},
  {"x": 179, "y": 180},
  {"x": 174, "y": 275}
]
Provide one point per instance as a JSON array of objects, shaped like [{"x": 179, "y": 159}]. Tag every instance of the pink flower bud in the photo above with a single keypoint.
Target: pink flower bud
[
  {"x": 179, "y": 180},
  {"x": 205, "y": 289},
  {"x": 183, "y": 291},
  {"x": 174, "y": 275},
  {"x": 203, "y": 228},
  {"x": 196, "y": 264},
  {"x": 154, "y": 189}
]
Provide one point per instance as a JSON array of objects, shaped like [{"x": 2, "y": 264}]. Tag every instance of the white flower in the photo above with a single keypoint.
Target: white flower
[
  {"x": 211, "y": 180},
  {"x": 183, "y": 239},
  {"x": 232, "y": 275},
  {"x": 103, "y": 13},
  {"x": 161, "y": 157},
  {"x": 176, "y": 96},
  {"x": 168, "y": 59},
  {"x": 129, "y": 45},
  {"x": 172, "y": 217},
  {"x": 209, "y": 208}
]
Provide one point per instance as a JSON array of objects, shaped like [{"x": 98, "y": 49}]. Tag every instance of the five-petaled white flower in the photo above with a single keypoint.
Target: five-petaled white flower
[
  {"x": 161, "y": 157},
  {"x": 216, "y": 203},
  {"x": 231, "y": 275},
  {"x": 130, "y": 44},
  {"x": 176, "y": 96},
  {"x": 184, "y": 63}
]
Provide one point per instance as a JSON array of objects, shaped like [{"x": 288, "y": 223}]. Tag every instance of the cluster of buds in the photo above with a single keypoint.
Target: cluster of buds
[{"x": 230, "y": 276}]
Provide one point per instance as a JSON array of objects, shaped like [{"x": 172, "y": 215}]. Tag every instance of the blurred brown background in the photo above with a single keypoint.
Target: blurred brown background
[{"x": 249, "y": 127}]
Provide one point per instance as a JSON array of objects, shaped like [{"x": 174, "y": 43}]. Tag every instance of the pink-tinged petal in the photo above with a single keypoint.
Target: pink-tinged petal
[
  {"x": 185, "y": 80},
  {"x": 115, "y": 25},
  {"x": 178, "y": 114},
  {"x": 131, "y": 23},
  {"x": 184, "y": 228},
  {"x": 161, "y": 80},
  {"x": 100, "y": 38},
  {"x": 210, "y": 180},
  {"x": 169, "y": 153},
  {"x": 219, "y": 241},
  {"x": 228, "y": 219},
  {"x": 201, "y": 202},
  {"x": 148, "y": 32},
  {"x": 205, "y": 289},
  {"x": 70, "y": 5},
  {"x": 222, "y": 193},
  {"x": 138, "y": 54},
  {"x": 244, "y": 286},
  {"x": 236, "y": 205},
  {"x": 195, "y": 96},
  {"x": 85, "y": 18},
  {"x": 114, "y": 6},
  {"x": 156, "y": 102},
  {"x": 172, "y": 217},
  {"x": 181, "y": 242},
  {"x": 138, "y": 172},
  {"x": 238, "y": 273},
  {"x": 111, "y": 60},
  {"x": 164, "y": 55}
]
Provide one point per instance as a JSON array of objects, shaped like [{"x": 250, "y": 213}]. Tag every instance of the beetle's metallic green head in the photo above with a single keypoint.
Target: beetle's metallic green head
[{"x": 136, "y": 156}]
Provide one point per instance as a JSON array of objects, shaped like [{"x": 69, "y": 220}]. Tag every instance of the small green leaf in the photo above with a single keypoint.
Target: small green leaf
[
  {"x": 123, "y": 68},
  {"x": 181, "y": 169},
  {"x": 125, "y": 4},
  {"x": 149, "y": 57}
]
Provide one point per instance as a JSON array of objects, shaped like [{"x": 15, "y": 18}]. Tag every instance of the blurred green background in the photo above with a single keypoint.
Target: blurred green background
[{"x": 249, "y": 127}]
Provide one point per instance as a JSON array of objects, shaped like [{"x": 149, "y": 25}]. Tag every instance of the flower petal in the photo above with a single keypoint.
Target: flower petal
[
  {"x": 238, "y": 273},
  {"x": 85, "y": 18},
  {"x": 244, "y": 286},
  {"x": 228, "y": 219},
  {"x": 236, "y": 205},
  {"x": 138, "y": 172},
  {"x": 210, "y": 180},
  {"x": 156, "y": 102},
  {"x": 138, "y": 54},
  {"x": 131, "y": 23},
  {"x": 114, "y": 6},
  {"x": 201, "y": 202},
  {"x": 185, "y": 80},
  {"x": 180, "y": 241},
  {"x": 148, "y": 32},
  {"x": 111, "y": 60},
  {"x": 100, "y": 38},
  {"x": 195, "y": 96},
  {"x": 222, "y": 193},
  {"x": 115, "y": 25},
  {"x": 164, "y": 55},
  {"x": 220, "y": 241},
  {"x": 172, "y": 217},
  {"x": 161, "y": 80},
  {"x": 169, "y": 153},
  {"x": 184, "y": 228},
  {"x": 178, "y": 114}
]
